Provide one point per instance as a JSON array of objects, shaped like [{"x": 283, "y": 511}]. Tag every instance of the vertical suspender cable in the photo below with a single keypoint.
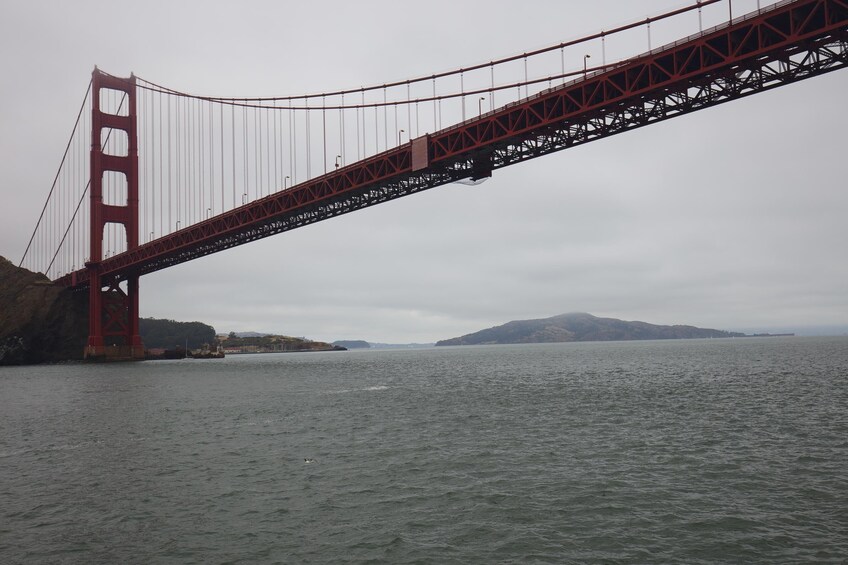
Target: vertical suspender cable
[
  {"x": 308, "y": 142},
  {"x": 179, "y": 172},
  {"x": 194, "y": 161},
  {"x": 49, "y": 194},
  {"x": 324, "y": 128},
  {"x": 170, "y": 171},
  {"x": 358, "y": 144},
  {"x": 197, "y": 160},
  {"x": 526, "y": 79},
  {"x": 57, "y": 208},
  {"x": 257, "y": 154},
  {"x": 189, "y": 164},
  {"x": 233, "y": 135},
  {"x": 183, "y": 220},
  {"x": 649, "y": 33},
  {"x": 221, "y": 112},
  {"x": 72, "y": 244},
  {"x": 385, "y": 121},
  {"x": 492, "y": 87},
  {"x": 144, "y": 180},
  {"x": 245, "y": 188},
  {"x": 211, "y": 125},
  {"x": 293, "y": 144},
  {"x": 268, "y": 152},
  {"x": 278, "y": 116},
  {"x": 604, "y": 50},
  {"x": 434, "y": 105},
  {"x": 562, "y": 65},
  {"x": 103, "y": 146},
  {"x": 462, "y": 89},
  {"x": 276, "y": 155},
  {"x": 408, "y": 110},
  {"x": 201, "y": 163},
  {"x": 211, "y": 113},
  {"x": 161, "y": 167}
]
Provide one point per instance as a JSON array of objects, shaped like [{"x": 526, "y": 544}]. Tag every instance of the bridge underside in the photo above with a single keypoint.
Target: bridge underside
[{"x": 784, "y": 45}]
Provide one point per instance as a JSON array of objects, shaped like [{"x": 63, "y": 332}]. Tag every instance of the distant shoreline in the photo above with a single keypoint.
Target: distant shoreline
[{"x": 229, "y": 353}]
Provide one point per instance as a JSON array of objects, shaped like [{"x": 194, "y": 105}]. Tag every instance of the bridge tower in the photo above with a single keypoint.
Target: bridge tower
[{"x": 113, "y": 311}]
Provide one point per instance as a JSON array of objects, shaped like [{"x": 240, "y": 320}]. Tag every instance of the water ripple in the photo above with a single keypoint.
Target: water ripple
[{"x": 707, "y": 451}]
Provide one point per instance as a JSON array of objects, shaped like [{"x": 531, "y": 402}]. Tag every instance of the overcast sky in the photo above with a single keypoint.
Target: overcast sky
[{"x": 732, "y": 218}]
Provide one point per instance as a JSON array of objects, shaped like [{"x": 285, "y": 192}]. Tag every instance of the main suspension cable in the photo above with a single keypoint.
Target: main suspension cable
[{"x": 599, "y": 35}]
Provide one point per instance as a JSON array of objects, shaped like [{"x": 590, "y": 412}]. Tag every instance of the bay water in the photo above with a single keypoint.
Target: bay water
[{"x": 689, "y": 451}]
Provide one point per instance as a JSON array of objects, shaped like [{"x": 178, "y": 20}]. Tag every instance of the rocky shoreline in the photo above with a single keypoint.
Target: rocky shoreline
[{"x": 39, "y": 321}]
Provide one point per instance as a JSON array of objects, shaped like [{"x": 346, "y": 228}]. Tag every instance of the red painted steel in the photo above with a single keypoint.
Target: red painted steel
[
  {"x": 731, "y": 49},
  {"x": 749, "y": 55},
  {"x": 113, "y": 313}
]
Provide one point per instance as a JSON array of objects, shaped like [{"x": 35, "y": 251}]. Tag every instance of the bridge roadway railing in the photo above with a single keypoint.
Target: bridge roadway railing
[{"x": 784, "y": 43}]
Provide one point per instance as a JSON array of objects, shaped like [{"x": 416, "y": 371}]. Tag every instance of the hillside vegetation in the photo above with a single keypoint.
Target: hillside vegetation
[
  {"x": 168, "y": 334},
  {"x": 580, "y": 327},
  {"x": 274, "y": 344},
  {"x": 39, "y": 321}
]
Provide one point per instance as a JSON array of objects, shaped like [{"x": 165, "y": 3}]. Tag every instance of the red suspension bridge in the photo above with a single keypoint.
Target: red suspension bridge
[{"x": 153, "y": 177}]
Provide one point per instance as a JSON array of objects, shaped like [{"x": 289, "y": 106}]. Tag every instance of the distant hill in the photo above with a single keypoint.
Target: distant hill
[
  {"x": 352, "y": 344},
  {"x": 400, "y": 345},
  {"x": 580, "y": 327},
  {"x": 251, "y": 334}
]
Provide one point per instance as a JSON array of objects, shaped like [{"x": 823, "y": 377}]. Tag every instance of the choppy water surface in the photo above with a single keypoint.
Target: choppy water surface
[{"x": 649, "y": 452}]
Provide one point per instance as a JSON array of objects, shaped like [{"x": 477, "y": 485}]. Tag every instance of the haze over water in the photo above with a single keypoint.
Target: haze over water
[{"x": 701, "y": 451}]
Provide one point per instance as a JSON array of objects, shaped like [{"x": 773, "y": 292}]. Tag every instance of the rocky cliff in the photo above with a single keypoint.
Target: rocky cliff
[{"x": 39, "y": 322}]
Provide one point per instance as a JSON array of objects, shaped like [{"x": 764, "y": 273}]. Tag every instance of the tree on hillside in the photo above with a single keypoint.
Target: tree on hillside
[{"x": 169, "y": 334}]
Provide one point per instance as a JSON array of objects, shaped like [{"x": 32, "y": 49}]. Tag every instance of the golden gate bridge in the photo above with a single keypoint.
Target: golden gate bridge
[{"x": 153, "y": 177}]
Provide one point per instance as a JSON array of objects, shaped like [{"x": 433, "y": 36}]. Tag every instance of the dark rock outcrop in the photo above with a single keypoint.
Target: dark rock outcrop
[
  {"x": 39, "y": 321},
  {"x": 580, "y": 327}
]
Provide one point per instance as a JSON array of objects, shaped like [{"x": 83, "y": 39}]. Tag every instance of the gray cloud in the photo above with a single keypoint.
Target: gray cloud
[{"x": 731, "y": 217}]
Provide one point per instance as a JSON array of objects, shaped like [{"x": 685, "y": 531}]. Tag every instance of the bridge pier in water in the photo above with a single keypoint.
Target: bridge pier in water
[{"x": 113, "y": 327}]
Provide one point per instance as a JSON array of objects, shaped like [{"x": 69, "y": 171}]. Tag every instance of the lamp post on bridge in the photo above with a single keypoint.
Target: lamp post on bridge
[
  {"x": 480, "y": 105},
  {"x": 399, "y": 135},
  {"x": 285, "y": 182},
  {"x": 338, "y": 161},
  {"x": 586, "y": 57}
]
